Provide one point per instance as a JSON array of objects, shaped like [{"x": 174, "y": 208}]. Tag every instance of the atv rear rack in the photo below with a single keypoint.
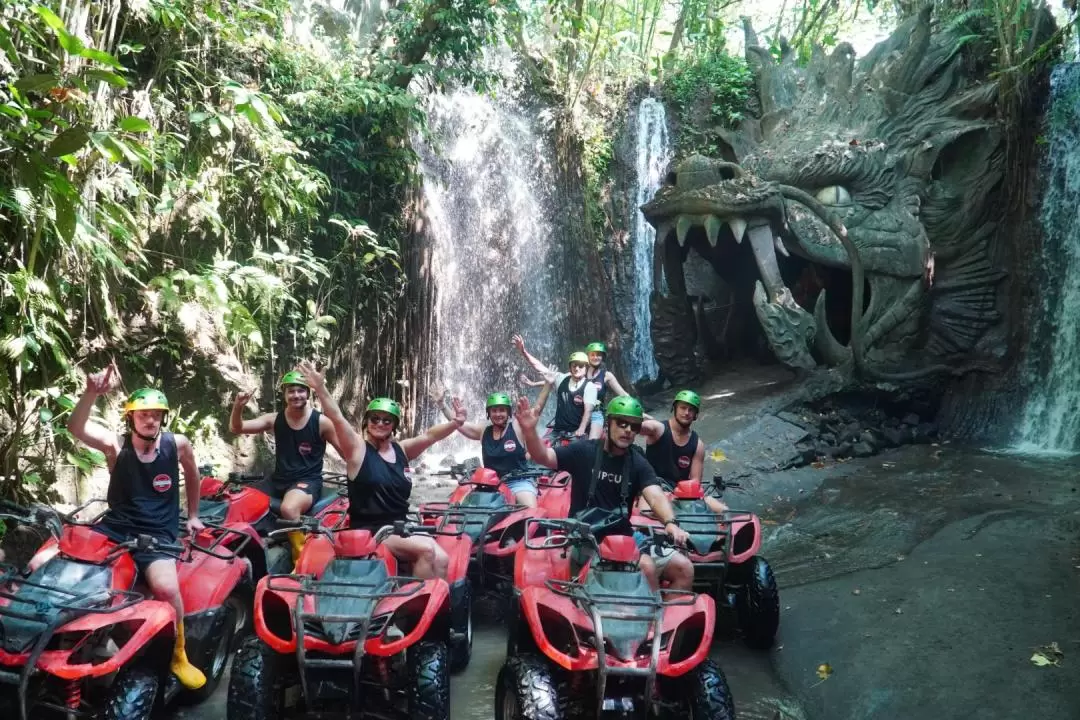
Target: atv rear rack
[
  {"x": 393, "y": 586},
  {"x": 627, "y": 609},
  {"x": 51, "y": 616}
]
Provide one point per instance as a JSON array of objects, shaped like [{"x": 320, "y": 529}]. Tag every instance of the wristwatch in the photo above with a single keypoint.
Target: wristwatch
[{"x": 670, "y": 522}]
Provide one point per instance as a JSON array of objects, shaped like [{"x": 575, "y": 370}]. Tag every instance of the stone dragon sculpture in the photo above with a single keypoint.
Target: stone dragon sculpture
[{"x": 888, "y": 167}]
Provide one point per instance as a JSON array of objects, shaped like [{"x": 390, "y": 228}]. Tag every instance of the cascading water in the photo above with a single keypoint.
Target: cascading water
[
  {"x": 1051, "y": 418},
  {"x": 653, "y": 156},
  {"x": 488, "y": 195}
]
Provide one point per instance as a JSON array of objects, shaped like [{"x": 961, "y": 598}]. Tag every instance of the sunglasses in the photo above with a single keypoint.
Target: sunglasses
[
  {"x": 626, "y": 424},
  {"x": 380, "y": 420},
  {"x": 574, "y": 366}
]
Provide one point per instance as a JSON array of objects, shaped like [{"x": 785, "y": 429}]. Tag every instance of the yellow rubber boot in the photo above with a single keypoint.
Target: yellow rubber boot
[
  {"x": 189, "y": 676},
  {"x": 297, "y": 540}
]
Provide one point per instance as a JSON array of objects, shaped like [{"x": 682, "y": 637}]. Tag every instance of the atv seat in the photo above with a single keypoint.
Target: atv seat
[
  {"x": 493, "y": 500},
  {"x": 213, "y": 510}
]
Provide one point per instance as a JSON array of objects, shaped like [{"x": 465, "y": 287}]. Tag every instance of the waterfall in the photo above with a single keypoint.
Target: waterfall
[
  {"x": 653, "y": 156},
  {"x": 488, "y": 202},
  {"x": 1051, "y": 417}
]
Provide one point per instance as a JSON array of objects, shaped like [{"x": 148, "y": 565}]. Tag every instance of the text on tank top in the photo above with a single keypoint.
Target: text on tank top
[
  {"x": 379, "y": 494},
  {"x": 670, "y": 460},
  {"x": 569, "y": 406},
  {"x": 144, "y": 497},
  {"x": 299, "y": 453},
  {"x": 505, "y": 455}
]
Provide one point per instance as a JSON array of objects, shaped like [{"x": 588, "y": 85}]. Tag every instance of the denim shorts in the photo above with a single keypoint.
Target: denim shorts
[
  {"x": 522, "y": 484},
  {"x": 597, "y": 418}
]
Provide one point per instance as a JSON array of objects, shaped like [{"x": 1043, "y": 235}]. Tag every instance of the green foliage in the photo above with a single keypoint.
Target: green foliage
[
  {"x": 707, "y": 93},
  {"x": 188, "y": 183}
]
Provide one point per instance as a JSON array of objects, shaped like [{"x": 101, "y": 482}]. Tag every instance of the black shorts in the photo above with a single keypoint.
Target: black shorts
[
  {"x": 142, "y": 558},
  {"x": 313, "y": 487}
]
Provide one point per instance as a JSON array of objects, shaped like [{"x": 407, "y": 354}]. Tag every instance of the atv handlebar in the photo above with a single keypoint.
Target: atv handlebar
[
  {"x": 242, "y": 478},
  {"x": 145, "y": 543},
  {"x": 37, "y": 515},
  {"x": 311, "y": 525},
  {"x": 401, "y": 528},
  {"x": 220, "y": 535}
]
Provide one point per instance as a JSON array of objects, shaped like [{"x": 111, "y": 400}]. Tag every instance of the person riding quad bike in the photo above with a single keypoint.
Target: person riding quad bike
[
  {"x": 144, "y": 491},
  {"x": 607, "y": 476},
  {"x": 300, "y": 437},
  {"x": 575, "y": 397},
  {"x": 603, "y": 380}
]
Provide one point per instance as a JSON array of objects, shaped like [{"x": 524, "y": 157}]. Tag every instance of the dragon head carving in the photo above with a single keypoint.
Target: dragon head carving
[{"x": 887, "y": 168}]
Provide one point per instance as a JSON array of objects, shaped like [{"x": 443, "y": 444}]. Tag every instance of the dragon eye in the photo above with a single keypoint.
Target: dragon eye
[{"x": 834, "y": 195}]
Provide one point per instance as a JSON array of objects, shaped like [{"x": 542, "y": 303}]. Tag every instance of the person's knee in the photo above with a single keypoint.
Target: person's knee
[
  {"x": 295, "y": 504},
  {"x": 164, "y": 584},
  {"x": 526, "y": 498},
  {"x": 680, "y": 572}
]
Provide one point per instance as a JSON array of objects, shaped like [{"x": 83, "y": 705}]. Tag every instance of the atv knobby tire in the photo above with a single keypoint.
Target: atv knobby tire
[
  {"x": 429, "y": 671},
  {"x": 526, "y": 690},
  {"x": 255, "y": 683},
  {"x": 758, "y": 604},
  {"x": 710, "y": 696},
  {"x": 132, "y": 694},
  {"x": 460, "y": 645}
]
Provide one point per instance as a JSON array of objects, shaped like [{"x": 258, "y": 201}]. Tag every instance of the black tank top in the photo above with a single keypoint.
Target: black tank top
[
  {"x": 505, "y": 455},
  {"x": 299, "y": 452},
  {"x": 144, "y": 497},
  {"x": 601, "y": 386},
  {"x": 669, "y": 460},
  {"x": 379, "y": 494},
  {"x": 569, "y": 406}
]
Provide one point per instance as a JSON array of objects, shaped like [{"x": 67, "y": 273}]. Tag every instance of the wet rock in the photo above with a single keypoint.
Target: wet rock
[
  {"x": 843, "y": 450},
  {"x": 795, "y": 419},
  {"x": 851, "y": 431},
  {"x": 867, "y": 437},
  {"x": 895, "y": 436},
  {"x": 925, "y": 432},
  {"x": 911, "y": 419},
  {"x": 862, "y": 449}
]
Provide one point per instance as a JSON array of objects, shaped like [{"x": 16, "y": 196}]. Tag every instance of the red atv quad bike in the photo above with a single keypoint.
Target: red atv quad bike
[
  {"x": 81, "y": 636},
  {"x": 245, "y": 500},
  {"x": 347, "y": 633},
  {"x": 602, "y": 643},
  {"x": 492, "y": 520},
  {"x": 723, "y": 548}
]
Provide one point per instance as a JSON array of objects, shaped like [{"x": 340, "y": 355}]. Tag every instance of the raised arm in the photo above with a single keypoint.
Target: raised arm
[
  {"x": 541, "y": 401},
  {"x": 350, "y": 444},
  {"x": 543, "y": 370},
  {"x": 473, "y": 431},
  {"x": 79, "y": 425},
  {"x": 329, "y": 434},
  {"x": 526, "y": 418},
  {"x": 416, "y": 445},
  {"x": 239, "y": 426}
]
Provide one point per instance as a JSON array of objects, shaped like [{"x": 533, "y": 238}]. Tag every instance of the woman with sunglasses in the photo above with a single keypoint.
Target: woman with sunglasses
[
  {"x": 608, "y": 474},
  {"x": 379, "y": 486}
]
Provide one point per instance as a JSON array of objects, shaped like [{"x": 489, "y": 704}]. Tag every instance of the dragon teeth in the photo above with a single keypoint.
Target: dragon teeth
[
  {"x": 682, "y": 226},
  {"x": 712, "y": 228},
  {"x": 738, "y": 228},
  {"x": 779, "y": 244}
]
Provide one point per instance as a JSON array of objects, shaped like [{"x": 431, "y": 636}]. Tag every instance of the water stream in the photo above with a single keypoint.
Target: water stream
[
  {"x": 488, "y": 196},
  {"x": 1051, "y": 417},
  {"x": 653, "y": 156}
]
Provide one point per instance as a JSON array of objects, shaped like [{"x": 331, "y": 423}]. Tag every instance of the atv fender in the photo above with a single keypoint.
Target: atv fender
[
  {"x": 495, "y": 548},
  {"x": 459, "y": 549},
  {"x": 745, "y": 540},
  {"x": 155, "y": 617},
  {"x": 206, "y": 581},
  {"x": 210, "y": 487},
  {"x": 534, "y": 567}
]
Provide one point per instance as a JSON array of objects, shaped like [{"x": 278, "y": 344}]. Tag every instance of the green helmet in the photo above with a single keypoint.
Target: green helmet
[
  {"x": 146, "y": 399},
  {"x": 498, "y": 399},
  {"x": 386, "y": 405},
  {"x": 689, "y": 397},
  {"x": 578, "y": 357},
  {"x": 625, "y": 406},
  {"x": 597, "y": 347},
  {"x": 294, "y": 378}
]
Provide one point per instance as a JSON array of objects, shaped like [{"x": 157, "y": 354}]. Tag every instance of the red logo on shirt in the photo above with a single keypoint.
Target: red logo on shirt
[
  {"x": 684, "y": 461},
  {"x": 578, "y": 400},
  {"x": 304, "y": 448},
  {"x": 509, "y": 446},
  {"x": 162, "y": 483}
]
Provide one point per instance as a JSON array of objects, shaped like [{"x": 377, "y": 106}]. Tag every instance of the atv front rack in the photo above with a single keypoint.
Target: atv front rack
[
  {"x": 626, "y": 609},
  {"x": 393, "y": 586},
  {"x": 51, "y": 616}
]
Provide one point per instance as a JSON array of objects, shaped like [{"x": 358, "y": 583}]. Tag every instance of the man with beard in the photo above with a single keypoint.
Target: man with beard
[
  {"x": 300, "y": 436},
  {"x": 608, "y": 474},
  {"x": 501, "y": 448},
  {"x": 144, "y": 492}
]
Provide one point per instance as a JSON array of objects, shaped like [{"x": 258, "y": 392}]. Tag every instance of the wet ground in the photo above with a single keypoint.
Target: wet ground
[{"x": 919, "y": 583}]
